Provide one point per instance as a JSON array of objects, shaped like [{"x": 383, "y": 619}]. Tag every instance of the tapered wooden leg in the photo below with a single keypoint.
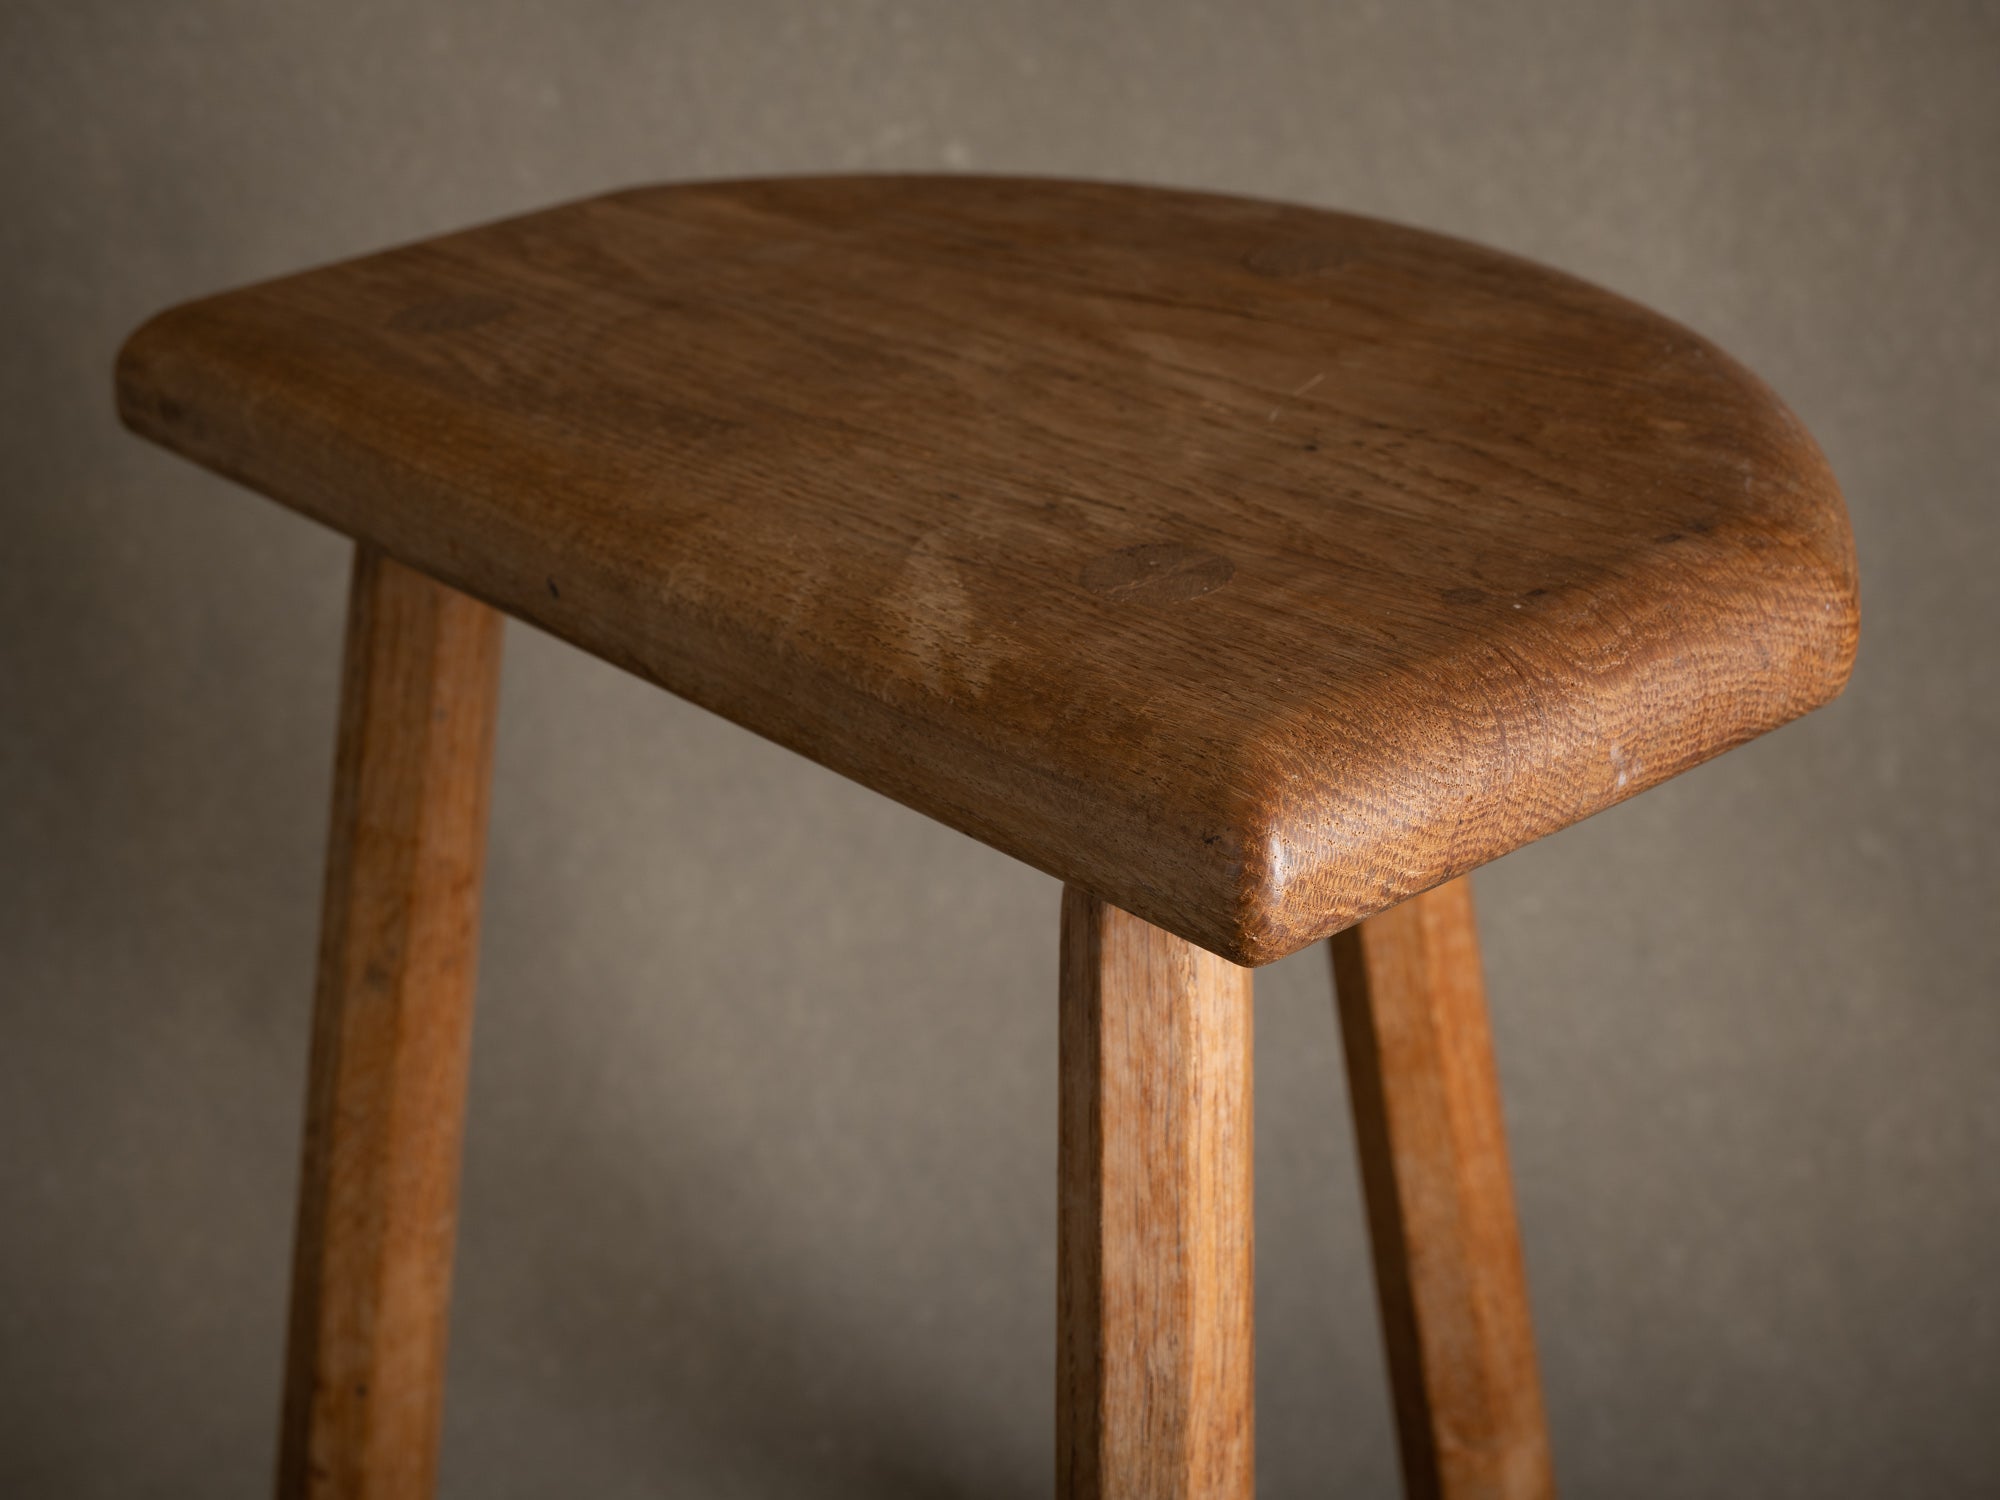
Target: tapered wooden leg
[
  {"x": 1448, "y": 1269},
  {"x": 391, "y": 1023},
  {"x": 1154, "y": 1333}
]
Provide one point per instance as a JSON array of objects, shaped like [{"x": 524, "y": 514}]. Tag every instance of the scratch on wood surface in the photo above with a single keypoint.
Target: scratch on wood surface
[{"x": 1302, "y": 390}]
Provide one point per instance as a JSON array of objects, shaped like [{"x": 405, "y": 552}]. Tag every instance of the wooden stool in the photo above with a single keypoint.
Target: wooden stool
[{"x": 1257, "y": 571}]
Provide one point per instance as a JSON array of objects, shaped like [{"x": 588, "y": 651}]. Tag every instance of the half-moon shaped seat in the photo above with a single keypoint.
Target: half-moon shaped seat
[{"x": 1250, "y": 566}]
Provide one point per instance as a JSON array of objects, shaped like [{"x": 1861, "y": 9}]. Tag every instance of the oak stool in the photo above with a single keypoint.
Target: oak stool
[{"x": 1257, "y": 571}]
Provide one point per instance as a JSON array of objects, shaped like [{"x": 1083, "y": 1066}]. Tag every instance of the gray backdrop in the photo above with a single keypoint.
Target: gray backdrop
[{"x": 759, "y": 1193}]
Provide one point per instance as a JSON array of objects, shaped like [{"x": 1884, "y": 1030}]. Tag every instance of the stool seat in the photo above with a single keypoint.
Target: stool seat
[{"x": 1249, "y": 566}]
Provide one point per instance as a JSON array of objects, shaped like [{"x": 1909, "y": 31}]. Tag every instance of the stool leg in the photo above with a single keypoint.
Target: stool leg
[
  {"x": 1448, "y": 1270},
  {"x": 391, "y": 1023},
  {"x": 1154, "y": 1339}
]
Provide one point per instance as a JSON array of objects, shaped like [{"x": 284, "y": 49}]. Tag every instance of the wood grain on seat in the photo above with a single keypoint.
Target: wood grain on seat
[{"x": 1252, "y": 567}]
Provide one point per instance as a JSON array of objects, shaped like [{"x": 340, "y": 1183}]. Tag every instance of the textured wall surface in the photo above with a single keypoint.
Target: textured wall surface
[{"x": 759, "y": 1192}]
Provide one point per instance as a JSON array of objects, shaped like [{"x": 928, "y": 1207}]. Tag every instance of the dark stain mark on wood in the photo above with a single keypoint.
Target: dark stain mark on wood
[
  {"x": 1299, "y": 257},
  {"x": 450, "y": 314}
]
